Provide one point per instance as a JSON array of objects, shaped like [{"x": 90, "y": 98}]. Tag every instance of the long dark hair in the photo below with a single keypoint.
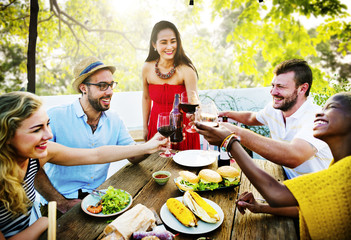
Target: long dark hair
[{"x": 180, "y": 56}]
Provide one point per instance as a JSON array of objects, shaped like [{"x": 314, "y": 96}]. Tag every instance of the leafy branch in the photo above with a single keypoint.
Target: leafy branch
[
  {"x": 3, "y": 7},
  {"x": 70, "y": 21}
]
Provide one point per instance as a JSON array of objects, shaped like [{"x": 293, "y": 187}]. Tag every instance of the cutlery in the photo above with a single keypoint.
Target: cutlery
[
  {"x": 159, "y": 223},
  {"x": 98, "y": 193}
]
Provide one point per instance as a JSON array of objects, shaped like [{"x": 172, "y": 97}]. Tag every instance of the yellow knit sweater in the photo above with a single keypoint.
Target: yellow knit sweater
[{"x": 324, "y": 201}]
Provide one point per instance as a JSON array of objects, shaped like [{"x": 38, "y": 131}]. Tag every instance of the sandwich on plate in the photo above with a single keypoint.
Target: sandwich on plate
[
  {"x": 187, "y": 181},
  {"x": 209, "y": 180},
  {"x": 230, "y": 175}
]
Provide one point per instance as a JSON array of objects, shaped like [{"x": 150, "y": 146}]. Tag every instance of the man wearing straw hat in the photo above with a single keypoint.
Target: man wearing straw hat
[{"x": 85, "y": 123}]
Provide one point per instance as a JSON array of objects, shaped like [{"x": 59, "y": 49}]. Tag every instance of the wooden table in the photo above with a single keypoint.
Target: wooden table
[{"x": 137, "y": 180}]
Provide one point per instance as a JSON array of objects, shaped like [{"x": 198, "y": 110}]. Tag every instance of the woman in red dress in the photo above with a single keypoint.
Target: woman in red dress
[{"x": 166, "y": 71}]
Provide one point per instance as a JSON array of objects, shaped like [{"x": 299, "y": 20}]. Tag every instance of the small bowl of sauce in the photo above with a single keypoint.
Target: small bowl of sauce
[{"x": 161, "y": 177}]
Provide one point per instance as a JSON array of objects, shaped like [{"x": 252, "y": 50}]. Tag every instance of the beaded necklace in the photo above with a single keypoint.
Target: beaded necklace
[{"x": 164, "y": 76}]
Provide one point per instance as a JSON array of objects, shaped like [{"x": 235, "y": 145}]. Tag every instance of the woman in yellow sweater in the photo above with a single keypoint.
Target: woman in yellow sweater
[{"x": 323, "y": 198}]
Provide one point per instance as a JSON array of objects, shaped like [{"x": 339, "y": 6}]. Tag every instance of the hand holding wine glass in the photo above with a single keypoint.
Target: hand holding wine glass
[
  {"x": 188, "y": 103},
  {"x": 166, "y": 127}
]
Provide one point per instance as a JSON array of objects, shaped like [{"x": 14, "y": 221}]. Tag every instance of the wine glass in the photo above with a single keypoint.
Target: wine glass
[
  {"x": 207, "y": 113},
  {"x": 188, "y": 103},
  {"x": 166, "y": 127}
]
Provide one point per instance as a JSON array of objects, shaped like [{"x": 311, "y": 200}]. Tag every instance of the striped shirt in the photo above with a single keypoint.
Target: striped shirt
[{"x": 10, "y": 224}]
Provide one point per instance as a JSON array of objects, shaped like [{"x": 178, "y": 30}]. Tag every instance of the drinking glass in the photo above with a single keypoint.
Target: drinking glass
[
  {"x": 207, "y": 113},
  {"x": 166, "y": 127},
  {"x": 188, "y": 103}
]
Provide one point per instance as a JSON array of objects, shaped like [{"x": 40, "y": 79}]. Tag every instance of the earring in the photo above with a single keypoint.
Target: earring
[{"x": 155, "y": 49}]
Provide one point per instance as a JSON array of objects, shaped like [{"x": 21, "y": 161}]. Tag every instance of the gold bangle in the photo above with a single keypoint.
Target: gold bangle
[
  {"x": 225, "y": 139},
  {"x": 226, "y": 142}
]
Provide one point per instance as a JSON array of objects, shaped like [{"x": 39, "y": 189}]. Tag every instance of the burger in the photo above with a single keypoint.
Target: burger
[
  {"x": 187, "y": 181},
  {"x": 209, "y": 180},
  {"x": 230, "y": 175}
]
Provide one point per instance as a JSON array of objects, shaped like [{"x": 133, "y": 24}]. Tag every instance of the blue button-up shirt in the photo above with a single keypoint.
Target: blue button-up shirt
[{"x": 69, "y": 127}]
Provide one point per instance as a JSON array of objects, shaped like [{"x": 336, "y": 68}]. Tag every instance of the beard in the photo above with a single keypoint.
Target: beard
[
  {"x": 288, "y": 102},
  {"x": 95, "y": 103}
]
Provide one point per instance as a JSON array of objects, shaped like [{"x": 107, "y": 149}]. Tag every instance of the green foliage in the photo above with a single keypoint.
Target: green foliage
[
  {"x": 249, "y": 40},
  {"x": 12, "y": 52},
  {"x": 262, "y": 36},
  {"x": 322, "y": 96},
  {"x": 10, "y": 67}
]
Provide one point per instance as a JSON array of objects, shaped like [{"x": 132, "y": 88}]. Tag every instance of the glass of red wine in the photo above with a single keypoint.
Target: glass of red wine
[
  {"x": 188, "y": 103},
  {"x": 166, "y": 127}
]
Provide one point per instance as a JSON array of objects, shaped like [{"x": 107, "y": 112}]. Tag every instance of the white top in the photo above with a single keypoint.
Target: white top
[{"x": 299, "y": 125}]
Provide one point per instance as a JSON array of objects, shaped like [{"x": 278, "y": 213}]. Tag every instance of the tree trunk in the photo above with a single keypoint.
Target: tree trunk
[{"x": 32, "y": 43}]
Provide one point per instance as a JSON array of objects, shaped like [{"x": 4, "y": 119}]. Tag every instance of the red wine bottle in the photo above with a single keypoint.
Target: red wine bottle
[{"x": 177, "y": 117}]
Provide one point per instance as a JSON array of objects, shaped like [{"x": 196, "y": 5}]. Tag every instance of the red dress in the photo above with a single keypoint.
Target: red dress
[{"x": 162, "y": 97}]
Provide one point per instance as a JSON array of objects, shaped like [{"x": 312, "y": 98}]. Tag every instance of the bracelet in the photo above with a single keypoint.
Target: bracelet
[
  {"x": 225, "y": 146},
  {"x": 237, "y": 139},
  {"x": 225, "y": 140}
]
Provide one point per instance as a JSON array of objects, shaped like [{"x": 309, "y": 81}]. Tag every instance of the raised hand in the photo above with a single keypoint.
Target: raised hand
[{"x": 157, "y": 142}]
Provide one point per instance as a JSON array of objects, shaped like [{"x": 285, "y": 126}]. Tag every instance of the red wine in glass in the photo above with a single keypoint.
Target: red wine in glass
[
  {"x": 188, "y": 103},
  {"x": 166, "y": 126},
  {"x": 188, "y": 108},
  {"x": 166, "y": 131}
]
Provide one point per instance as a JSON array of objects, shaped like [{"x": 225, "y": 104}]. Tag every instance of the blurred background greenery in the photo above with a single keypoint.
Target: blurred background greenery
[{"x": 233, "y": 44}]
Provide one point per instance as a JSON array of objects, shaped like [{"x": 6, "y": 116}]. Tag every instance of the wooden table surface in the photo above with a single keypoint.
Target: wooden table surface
[{"x": 137, "y": 180}]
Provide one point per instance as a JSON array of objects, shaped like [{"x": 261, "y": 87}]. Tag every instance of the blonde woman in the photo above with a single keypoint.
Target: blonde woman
[{"x": 25, "y": 147}]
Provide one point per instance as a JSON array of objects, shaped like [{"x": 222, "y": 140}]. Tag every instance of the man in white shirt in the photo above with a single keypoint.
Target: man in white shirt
[{"x": 290, "y": 118}]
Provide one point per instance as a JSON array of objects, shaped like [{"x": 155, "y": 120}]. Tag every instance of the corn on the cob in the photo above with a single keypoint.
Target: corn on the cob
[
  {"x": 181, "y": 212},
  {"x": 203, "y": 204}
]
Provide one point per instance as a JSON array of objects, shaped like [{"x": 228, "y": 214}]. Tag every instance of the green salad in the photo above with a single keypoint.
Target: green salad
[{"x": 114, "y": 200}]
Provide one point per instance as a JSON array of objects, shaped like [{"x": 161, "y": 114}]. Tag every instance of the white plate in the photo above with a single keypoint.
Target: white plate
[
  {"x": 93, "y": 199},
  {"x": 195, "y": 158},
  {"x": 202, "y": 227}
]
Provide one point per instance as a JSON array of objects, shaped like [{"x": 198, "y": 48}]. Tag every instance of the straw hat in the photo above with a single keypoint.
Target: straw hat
[{"x": 86, "y": 68}]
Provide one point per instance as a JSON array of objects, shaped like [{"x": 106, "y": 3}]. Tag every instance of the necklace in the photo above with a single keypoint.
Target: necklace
[
  {"x": 161, "y": 75},
  {"x": 94, "y": 126}
]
